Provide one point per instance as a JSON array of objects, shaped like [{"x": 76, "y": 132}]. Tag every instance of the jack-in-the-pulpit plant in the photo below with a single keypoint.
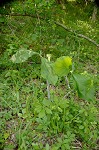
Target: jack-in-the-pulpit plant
[{"x": 51, "y": 71}]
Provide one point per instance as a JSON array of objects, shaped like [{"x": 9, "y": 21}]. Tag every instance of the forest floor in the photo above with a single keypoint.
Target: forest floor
[{"x": 28, "y": 119}]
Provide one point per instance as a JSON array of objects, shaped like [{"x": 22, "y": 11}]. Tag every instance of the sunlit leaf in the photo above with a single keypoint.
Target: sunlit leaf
[
  {"x": 6, "y": 135},
  {"x": 84, "y": 86},
  {"x": 42, "y": 113},
  {"x": 46, "y": 102},
  {"x": 47, "y": 146},
  {"x": 22, "y": 55},
  {"x": 48, "y": 111},
  {"x": 62, "y": 65},
  {"x": 47, "y": 71}
]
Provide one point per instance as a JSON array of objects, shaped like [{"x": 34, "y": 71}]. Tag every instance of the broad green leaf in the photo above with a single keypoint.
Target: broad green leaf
[
  {"x": 34, "y": 37},
  {"x": 42, "y": 113},
  {"x": 48, "y": 111},
  {"x": 22, "y": 55},
  {"x": 81, "y": 127},
  {"x": 6, "y": 135},
  {"x": 47, "y": 71},
  {"x": 84, "y": 86},
  {"x": 47, "y": 146},
  {"x": 46, "y": 102},
  {"x": 62, "y": 65}
]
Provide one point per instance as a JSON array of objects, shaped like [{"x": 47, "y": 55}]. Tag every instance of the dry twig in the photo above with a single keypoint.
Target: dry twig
[{"x": 79, "y": 35}]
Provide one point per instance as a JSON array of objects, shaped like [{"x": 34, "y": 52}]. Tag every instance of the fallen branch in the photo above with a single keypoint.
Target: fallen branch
[
  {"x": 79, "y": 35},
  {"x": 63, "y": 26},
  {"x": 21, "y": 15}
]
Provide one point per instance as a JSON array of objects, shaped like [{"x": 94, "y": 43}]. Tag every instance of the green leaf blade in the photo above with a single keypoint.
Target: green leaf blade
[
  {"x": 22, "y": 55},
  {"x": 62, "y": 65},
  {"x": 84, "y": 86},
  {"x": 47, "y": 71}
]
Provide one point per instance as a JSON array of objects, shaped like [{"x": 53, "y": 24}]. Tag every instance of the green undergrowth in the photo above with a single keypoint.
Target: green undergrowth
[{"x": 28, "y": 119}]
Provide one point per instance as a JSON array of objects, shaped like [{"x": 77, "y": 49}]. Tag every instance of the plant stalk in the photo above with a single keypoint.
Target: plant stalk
[
  {"x": 48, "y": 90},
  {"x": 67, "y": 81}
]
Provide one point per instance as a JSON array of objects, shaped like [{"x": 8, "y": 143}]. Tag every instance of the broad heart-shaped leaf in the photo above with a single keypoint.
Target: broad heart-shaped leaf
[
  {"x": 62, "y": 65},
  {"x": 22, "y": 55},
  {"x": 84, "y": 86},
  {"x": 47, "y": 71}
]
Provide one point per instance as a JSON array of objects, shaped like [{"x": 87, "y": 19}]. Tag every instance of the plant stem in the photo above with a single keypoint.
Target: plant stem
[
  {"x": 67, "y": 81},
  {"x": 48, "y": 90}
]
